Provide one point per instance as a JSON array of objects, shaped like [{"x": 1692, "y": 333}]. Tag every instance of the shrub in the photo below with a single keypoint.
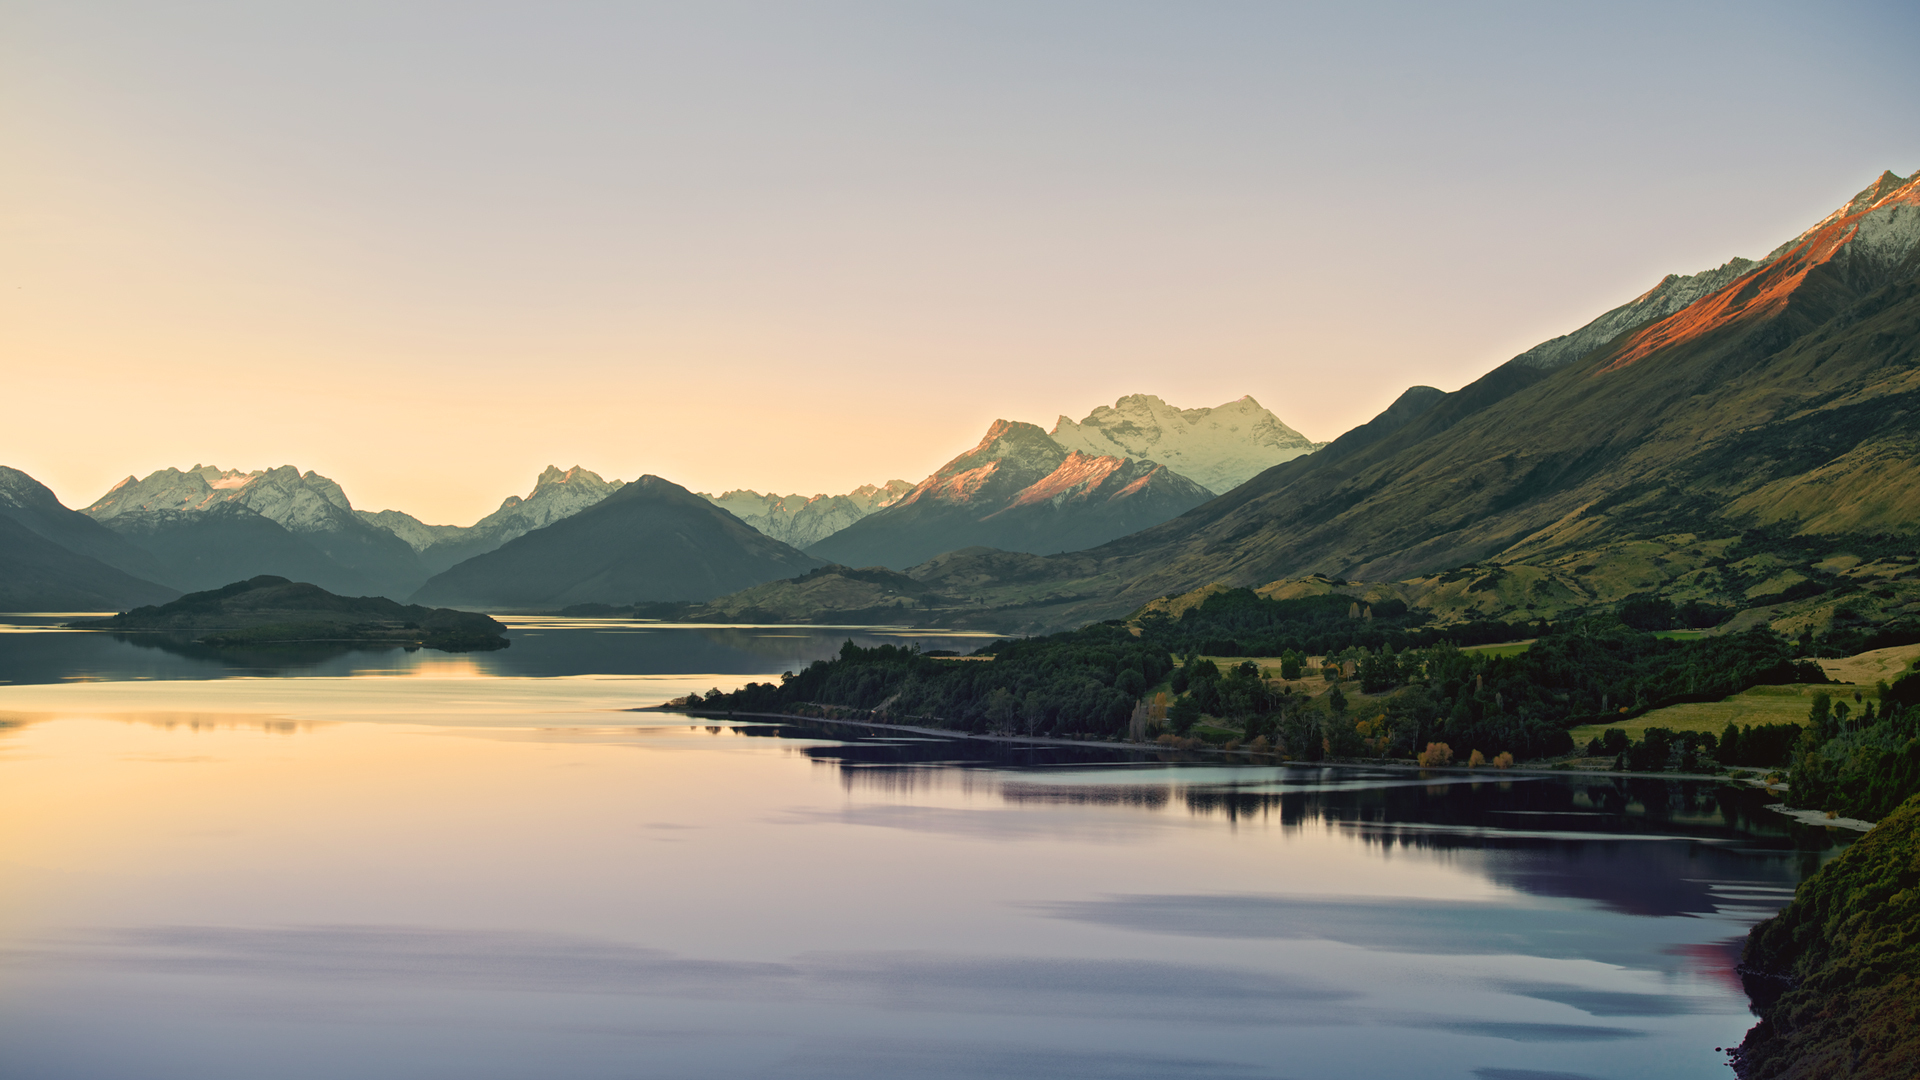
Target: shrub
[
  {"x": 1476, "y": 759},
  {"x": 1436, "y": 754},
  {"x": 1503, "y": 760}
]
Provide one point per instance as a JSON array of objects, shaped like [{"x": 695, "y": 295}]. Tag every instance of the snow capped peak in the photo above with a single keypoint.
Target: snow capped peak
[
  {"x": 1219, "y": 448},
  {"x": 800, "y": 520},
  {"x": 555, "y": 495}
]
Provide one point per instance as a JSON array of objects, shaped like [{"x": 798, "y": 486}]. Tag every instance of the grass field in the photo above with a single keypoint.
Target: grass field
[
  {"x": 1760, "y": 705},
  {"x": 1870, "y": 667},
  {"x": 1510, "y": 648}
]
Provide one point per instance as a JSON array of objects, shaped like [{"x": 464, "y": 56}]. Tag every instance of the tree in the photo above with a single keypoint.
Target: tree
[
  {"x": 1436, "y": 755},
  {"x": 1001, "y": 708},
  {"x": 1290, "y": 664}
]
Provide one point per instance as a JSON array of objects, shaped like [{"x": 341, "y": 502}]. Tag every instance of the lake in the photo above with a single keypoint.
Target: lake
[{"x": 414, "y": 864}]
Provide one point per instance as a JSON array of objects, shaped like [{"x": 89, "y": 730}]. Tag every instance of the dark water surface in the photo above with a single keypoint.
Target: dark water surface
[{"x": 414, "y": 865}]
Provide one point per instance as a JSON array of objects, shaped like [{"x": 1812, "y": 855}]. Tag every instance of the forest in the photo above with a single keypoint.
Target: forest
[{"x": 1398, "y": 685}]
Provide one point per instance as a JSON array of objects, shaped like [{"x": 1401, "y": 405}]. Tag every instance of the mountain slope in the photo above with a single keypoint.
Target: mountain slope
[
  {"x": 30, "y": 503},
  {"x": 37, "y": 574},
  {"x": 1788, "y": 394},
  {"x": 1218, "y": 448},
  {"x": 1019, "y": 490},
  {"x": 650, "y": 540}
]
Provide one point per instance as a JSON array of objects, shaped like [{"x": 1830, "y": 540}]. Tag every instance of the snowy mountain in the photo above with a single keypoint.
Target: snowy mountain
[
  {"x": 555, "y": 495},
  {"x": 1018, "y": 490},
  {"x": 209, "y": 526},
  {"x": 1218, "y": 448},
  {"x": 800, "y": 520}
]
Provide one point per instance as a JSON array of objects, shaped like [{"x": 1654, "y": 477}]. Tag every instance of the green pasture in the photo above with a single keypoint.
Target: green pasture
[{"x": 1760, "y": 705}]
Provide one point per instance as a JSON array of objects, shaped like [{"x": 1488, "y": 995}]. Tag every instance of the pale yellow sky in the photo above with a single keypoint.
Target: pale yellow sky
[{"x": 427, "y": 250}]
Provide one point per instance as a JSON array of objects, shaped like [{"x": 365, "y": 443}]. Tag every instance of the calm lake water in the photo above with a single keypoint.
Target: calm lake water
[{"x": 392, "y": 864}]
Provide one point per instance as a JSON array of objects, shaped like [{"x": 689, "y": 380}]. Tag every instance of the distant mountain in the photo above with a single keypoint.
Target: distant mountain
[
  {"x": 206, "y": 526},
  {"x": 1746, "y": 436},
  {"x": 56, "y": 559},
  {"x": 650, "y": 540},
  {"x": 1218, "y": 448},
  {"x": 555, "y": 495},
  {"x": 799, "y": 520},
  {"x": 1019, "y": 490}
]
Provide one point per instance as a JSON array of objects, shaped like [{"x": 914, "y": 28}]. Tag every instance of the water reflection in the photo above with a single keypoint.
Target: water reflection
[
  {"x": 510, "y": 877},
  {"x": 37, "y": 651}
]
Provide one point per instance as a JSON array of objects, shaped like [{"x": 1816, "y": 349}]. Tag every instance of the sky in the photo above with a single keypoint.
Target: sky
[{"x": 427, "y": 249}]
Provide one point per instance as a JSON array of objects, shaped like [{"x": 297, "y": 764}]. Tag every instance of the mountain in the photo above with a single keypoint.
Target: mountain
[
  {"x": 56, "y": 559},
  {"x": 1019, "y": 490},
  {"x": 207, "y": 526},
  {"x": 650, "y": 540},
  {"x": 1218, "y": 448},
  {"x": 30, "y": 503},
  {"x": 1742, "y": 437},
  {"x": 798, "y": 520},
  {"x": 555, "y": 495}
]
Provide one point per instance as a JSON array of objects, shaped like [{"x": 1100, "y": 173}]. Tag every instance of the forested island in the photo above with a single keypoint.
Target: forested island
[{"x": 269, "y": 610}]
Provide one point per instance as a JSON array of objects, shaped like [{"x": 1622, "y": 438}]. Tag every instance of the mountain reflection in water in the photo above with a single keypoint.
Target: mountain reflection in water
[{"x": 507, "y": 877}]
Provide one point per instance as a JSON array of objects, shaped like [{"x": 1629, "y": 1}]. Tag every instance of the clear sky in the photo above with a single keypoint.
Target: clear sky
[{"x": 429, "y": 248}]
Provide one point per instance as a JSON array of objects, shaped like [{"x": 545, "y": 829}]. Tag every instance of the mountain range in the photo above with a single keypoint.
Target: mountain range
[
  {"x": 206, "y": 527},
  {"x": 1743, "y": 436},
  {"x": 1739, "y": 436},
  {"x": 555, "y": 495},
  {"x": 1020, "y": 490},
  {"x": 800, "y": 520}
]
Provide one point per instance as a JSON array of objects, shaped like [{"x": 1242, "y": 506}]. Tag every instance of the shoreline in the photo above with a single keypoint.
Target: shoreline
[{"x": 1488, "y": 771}]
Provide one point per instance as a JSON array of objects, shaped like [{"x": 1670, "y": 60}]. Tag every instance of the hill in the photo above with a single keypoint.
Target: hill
[
  {"x": 272, "y": 610},
  {"x": 650, "y": 540}
]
